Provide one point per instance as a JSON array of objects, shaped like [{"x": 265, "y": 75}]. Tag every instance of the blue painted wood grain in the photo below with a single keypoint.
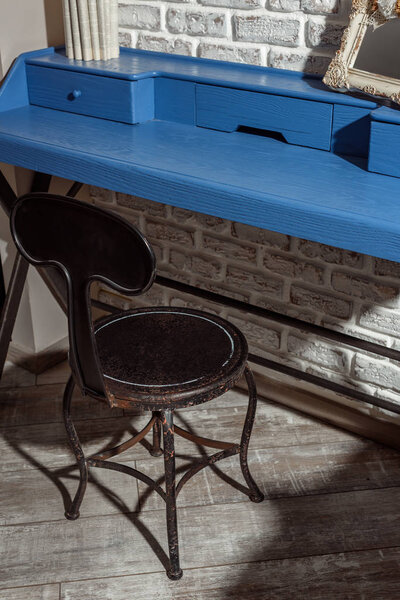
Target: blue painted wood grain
[
  {"x": 387, "y": 114},
  {"x": 351, "y": 130},
  {"x": 295, "y": 190},
  {"x": 14, "y": 91},
  {"x": 94, "y": 95},
  {"x": 300, "y": 121},
  {"x": 143, "y": 101},
  {"x": 138, "y": 64},
  {"x": 384, "y": 153},
  {"x": 175, "y": 100}
]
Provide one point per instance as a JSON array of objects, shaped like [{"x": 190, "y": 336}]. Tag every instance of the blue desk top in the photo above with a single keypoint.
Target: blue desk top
[
  {"x": 252, "y": 179},
  {"x": 263, "y": 182}
]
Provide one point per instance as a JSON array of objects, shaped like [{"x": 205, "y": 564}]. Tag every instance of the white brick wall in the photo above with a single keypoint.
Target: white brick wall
[
  {"x": 352, "y": 293},
  {"x": 292, "y": 34},
  {"x": 349, "y": 292}
]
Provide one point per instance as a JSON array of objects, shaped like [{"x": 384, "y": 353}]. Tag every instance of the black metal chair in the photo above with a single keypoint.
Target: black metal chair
[{"x": 159, "y": 359}]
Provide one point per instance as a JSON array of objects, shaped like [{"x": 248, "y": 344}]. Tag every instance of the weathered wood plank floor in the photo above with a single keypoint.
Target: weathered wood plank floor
[{"x": 328, "y": 529}]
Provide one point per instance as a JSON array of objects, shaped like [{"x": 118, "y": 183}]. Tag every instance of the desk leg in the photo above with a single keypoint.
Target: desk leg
[
  {"x": 52, "y": 278},
  {"x": 41, "y": 182},
  {"x": 7, "y": 196},
  {"x": 11, "y": 305}
]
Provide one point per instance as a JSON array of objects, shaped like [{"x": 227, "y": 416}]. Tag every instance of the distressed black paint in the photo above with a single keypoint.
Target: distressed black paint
[
  {"x": 174, "y": 571},
  {"x": 157, "y": 359},
  {"x": 73, "y": 512}
]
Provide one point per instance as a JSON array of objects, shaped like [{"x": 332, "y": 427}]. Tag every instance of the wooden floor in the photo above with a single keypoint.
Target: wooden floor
[{"x": 329, "y": 528}]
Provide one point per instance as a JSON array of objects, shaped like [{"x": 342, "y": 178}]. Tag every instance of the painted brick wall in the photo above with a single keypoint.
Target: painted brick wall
[
  {"x": 349, "y": 292},
  {"x": 290, "y": 34}
]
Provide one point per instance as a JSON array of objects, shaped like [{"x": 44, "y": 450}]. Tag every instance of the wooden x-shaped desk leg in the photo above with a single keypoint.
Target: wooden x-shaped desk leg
[{"x": 51, "y": 277}]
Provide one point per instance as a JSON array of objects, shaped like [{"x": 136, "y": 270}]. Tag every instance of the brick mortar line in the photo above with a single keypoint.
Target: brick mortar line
[{"x": 308, "y": 43}]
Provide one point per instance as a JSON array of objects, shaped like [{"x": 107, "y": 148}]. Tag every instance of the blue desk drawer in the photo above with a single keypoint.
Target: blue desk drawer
[
  {"x": 301, "y": 122},
  {"x": 384, "y": 148},
  {"x": 93, "y": 95}
]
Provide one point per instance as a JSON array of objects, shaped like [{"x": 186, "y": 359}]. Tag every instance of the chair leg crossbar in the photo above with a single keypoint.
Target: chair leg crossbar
[{"x": 162, "y": 425}]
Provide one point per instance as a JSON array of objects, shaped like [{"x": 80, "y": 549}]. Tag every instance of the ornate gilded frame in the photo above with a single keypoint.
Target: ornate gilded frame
[{"x": 341, "y": 73}]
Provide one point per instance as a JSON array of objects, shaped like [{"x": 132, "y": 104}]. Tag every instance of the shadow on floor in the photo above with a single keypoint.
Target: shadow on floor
[{"x": 317, "y": 544}]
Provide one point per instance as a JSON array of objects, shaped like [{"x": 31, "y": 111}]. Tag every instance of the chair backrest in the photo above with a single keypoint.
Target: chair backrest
[{"x": 86, "y": 243}]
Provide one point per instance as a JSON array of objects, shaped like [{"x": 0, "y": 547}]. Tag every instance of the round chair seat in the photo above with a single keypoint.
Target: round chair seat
[{"x": 163, "y": 357}]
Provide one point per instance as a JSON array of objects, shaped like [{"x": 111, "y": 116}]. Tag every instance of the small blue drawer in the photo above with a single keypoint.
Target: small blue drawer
[
  {"x": 301, "y": 122},
  {"x": 384, "y": 146},
  {"x": 93, "y": 95}
]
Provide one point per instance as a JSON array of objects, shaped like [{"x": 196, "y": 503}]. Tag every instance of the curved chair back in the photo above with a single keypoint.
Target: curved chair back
[{"x": 86, "y": 243}]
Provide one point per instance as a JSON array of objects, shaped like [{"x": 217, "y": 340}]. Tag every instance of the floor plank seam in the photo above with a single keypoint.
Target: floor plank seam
[
  {"x": 200, "y": 567},
  {"x": 148, "y": 511}
]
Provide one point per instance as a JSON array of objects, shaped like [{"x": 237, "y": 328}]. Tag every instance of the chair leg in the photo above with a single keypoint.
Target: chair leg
[
  {"x": 174, "y": 571},
  {"x": 73, "y": 512},
  {"x": 255, "y": 495},
  {"x": 156, "y": 448}
]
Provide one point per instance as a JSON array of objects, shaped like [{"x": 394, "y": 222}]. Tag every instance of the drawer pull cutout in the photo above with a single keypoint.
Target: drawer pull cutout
[{"x": 268, "y": 133}]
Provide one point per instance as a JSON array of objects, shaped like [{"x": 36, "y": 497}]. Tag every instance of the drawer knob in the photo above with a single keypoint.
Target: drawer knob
[{"x": 76, "y": 93}]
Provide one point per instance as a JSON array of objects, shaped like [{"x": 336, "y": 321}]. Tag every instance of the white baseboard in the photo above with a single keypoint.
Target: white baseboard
[{"x": 37, "y": 362}]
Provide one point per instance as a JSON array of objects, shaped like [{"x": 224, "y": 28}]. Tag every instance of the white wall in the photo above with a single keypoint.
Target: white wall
[{"x": 28, "y": 25}]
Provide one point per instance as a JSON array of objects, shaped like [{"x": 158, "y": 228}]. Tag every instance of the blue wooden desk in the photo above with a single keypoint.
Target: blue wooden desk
[{"x": 269, "y": 148}]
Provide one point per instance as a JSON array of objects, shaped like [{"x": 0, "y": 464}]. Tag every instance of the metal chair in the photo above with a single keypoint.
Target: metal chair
[{"x": 158, "y": 359}]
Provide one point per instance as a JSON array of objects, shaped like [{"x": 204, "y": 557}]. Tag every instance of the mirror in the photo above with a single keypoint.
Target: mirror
[
  {"x": 368, "y": 58},
  {"x": 379, "y": 50}
]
